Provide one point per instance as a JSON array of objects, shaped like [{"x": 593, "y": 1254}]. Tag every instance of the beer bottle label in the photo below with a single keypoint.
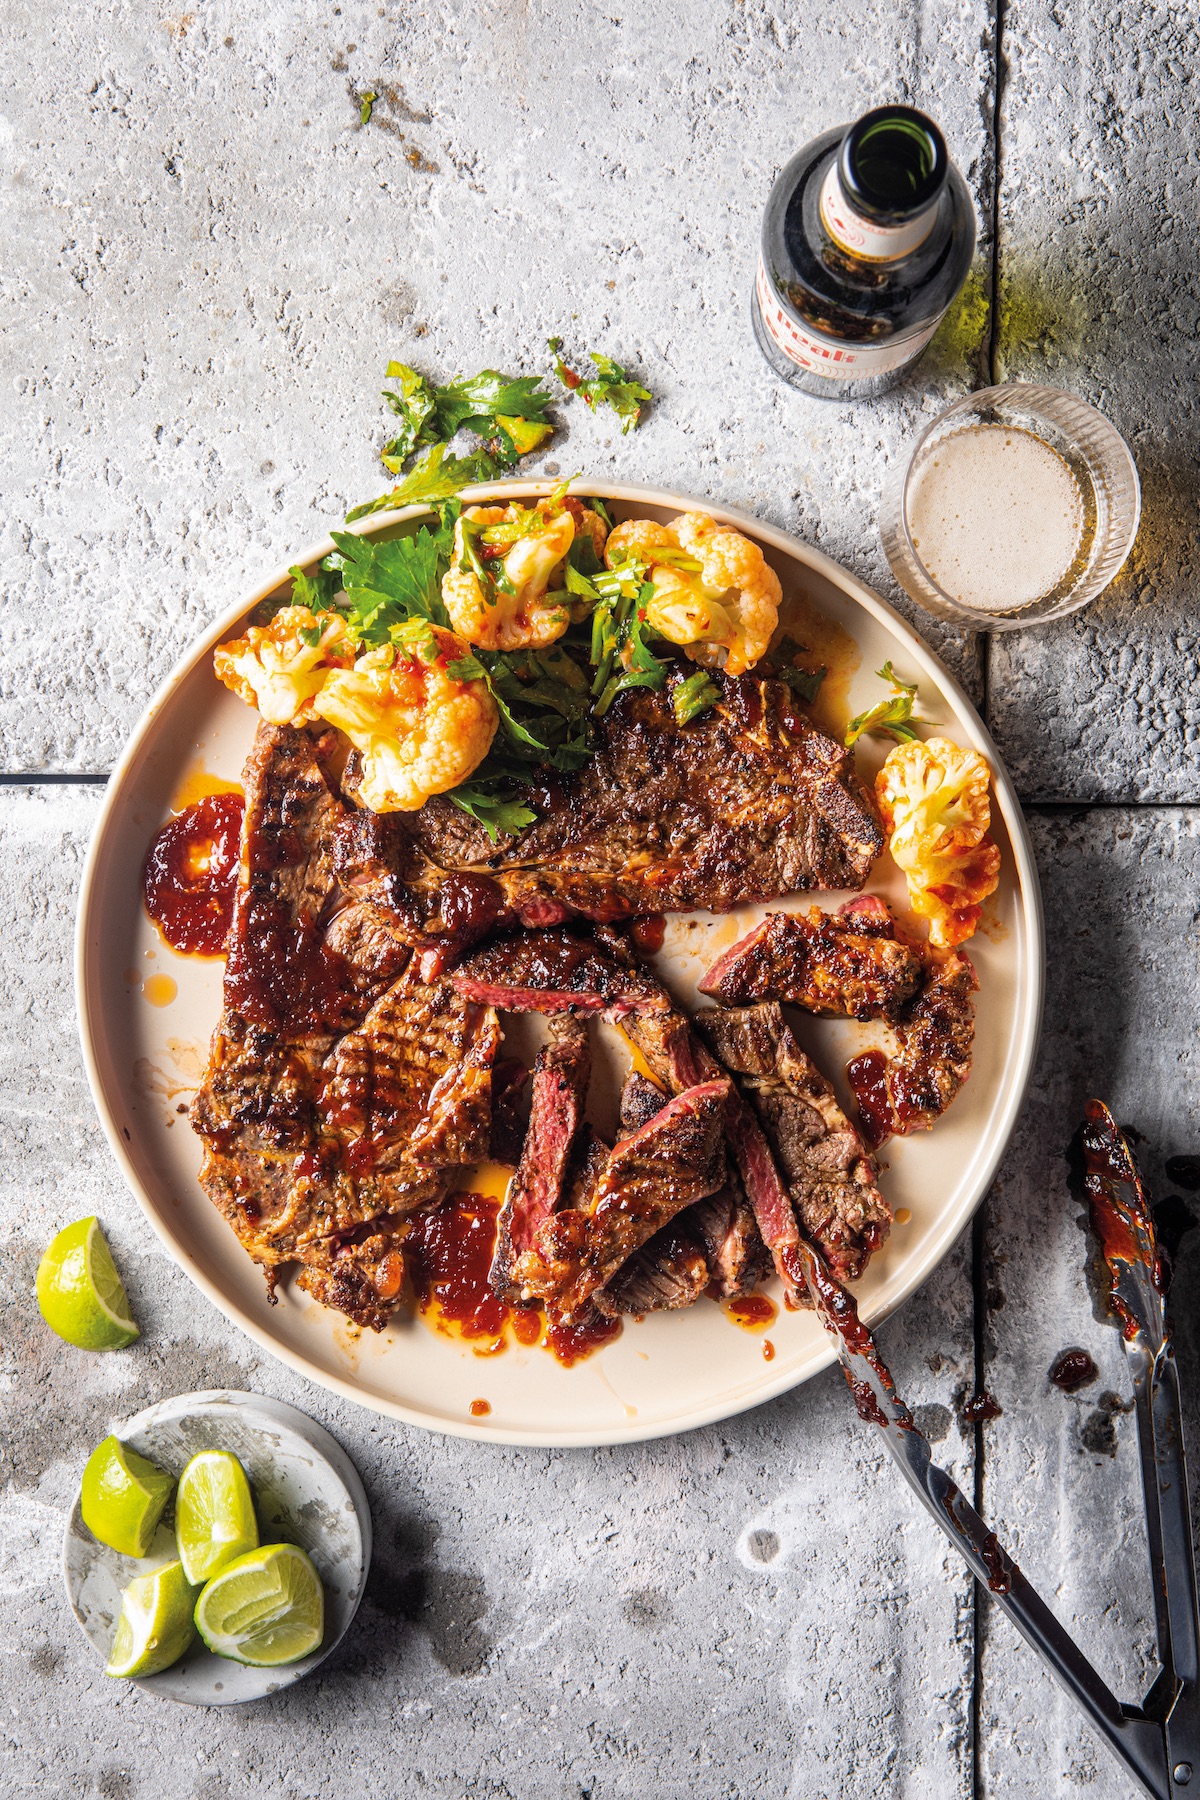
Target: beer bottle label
[{"x": 839, "y": 359}]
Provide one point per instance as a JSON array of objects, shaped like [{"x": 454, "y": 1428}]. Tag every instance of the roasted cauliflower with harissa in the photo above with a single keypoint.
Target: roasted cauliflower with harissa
[
  {"x": 714, "y": 593},
  {"x": 934, "y": 800},
  {"x": 280, "y": 668},
  {"x": 418, "y": 728},
  {"x": 504, "y": 588}
]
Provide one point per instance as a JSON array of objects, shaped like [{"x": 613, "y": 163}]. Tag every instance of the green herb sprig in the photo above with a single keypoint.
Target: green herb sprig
[
  {"x": 892, "y": 716},
  {"x": 610, "y": 386}
]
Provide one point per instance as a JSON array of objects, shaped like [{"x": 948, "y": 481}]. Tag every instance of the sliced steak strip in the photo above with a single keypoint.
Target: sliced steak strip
[
  {"x": 678, "y": 1057},
  {"x": 510, "y": 1110},
  {"x": 725, "y": 1224},
  {"x": 936, "y": 1032},
  {"x": 554, "y": 971},
  {"x": 821, "y": 961},
  {"x": 831, "y": 1175},
  {"x": 749, "y": 802},
  {"x": 649, "y": 1177},
  {"x": 640, "y": 1100},
  {"x": 560, "y": 1078},
  {"x": 668, "y": 1272}
]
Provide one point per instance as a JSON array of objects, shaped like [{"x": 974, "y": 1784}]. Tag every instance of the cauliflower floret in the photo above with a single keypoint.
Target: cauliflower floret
[
  {"x": 418, "y": 729},
  {"x": 537, "y": 543},
  {"x": 277, "y": 670},
  {"x": 723, "y": 612},
  {"x": 934, "y": 800}
]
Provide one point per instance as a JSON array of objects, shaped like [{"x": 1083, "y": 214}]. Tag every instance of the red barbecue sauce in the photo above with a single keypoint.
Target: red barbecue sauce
[
  {"x": 1072, "y": 1370},
  {"x": 867, "y": 1075},
  {"x": 571, "y": 1343},
  {"x": 753, "y": 1312},
  {"x": 480, "y": 1409},
  {"x": 449, "y": 1253},
  {"x": 648, "y": 932},
  {"x": 190, "y": 873}
]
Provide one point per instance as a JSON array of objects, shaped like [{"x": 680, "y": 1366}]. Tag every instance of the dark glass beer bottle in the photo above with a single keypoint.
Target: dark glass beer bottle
[{"x": 868, "y": 236}]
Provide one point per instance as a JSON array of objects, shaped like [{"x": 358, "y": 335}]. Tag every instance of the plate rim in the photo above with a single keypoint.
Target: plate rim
[{"x": 1028, "y": 1012}]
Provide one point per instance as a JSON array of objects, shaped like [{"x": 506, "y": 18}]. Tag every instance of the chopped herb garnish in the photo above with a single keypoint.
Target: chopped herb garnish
[
  {"x": 509, "y": 412},
  {"x": 388, "y": 584},
  {"x": 611, "y": 385},
  {"x": 364, "y": 111},
  {"x": 892, "y": 716},
  {"x": 694, "y": 696},
  {"x": 804, "y": 683}
]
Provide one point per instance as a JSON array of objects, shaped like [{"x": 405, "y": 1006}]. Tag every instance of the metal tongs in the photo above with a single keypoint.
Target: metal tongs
[{"x": 1158, "y": 1741}]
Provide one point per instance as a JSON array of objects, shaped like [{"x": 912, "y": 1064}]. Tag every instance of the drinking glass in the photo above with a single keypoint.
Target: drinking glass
[{"x": 1104, "y": 471}]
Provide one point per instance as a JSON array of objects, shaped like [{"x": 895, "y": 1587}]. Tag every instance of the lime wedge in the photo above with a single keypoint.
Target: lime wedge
[
  {"x": 266, "y": 1608},
  {"x": 155, "y": 1626},
  {"x": 214, "y": 1515},
  {"x": 79, "y": 1291},
  {"x": 122, "y": 1497}
]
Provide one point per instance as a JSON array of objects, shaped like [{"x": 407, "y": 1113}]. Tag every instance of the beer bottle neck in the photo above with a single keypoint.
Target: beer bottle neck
[{"x": 870, "y": 239}]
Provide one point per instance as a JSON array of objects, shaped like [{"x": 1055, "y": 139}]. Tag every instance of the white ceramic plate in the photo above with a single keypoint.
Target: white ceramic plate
[
  {"x": 674, "y": 1370},
  {"x": 306, "y": 1491}
]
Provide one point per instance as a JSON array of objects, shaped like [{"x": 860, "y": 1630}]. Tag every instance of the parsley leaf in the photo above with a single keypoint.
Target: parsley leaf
[
  {"x": 611, "y": 385},
  {"x": 315, "y": 591},
  {"x": 806, "y": 683},
  {"x": 364, "y": 111},
  {"x": 497, "y": 812},
  {"x": 388, "y": 584},
  {"x": 893, "y": 716},
  {"x": 438, "y": 476}
]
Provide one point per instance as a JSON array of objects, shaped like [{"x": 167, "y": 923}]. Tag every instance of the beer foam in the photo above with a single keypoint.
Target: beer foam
[{"x": 996, "y": 516}]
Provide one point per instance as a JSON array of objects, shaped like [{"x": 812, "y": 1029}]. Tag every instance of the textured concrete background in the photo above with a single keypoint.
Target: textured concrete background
[{"x": 207, "y": 261}]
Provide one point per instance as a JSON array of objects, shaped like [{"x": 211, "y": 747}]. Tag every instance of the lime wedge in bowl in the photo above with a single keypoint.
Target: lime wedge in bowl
[
  {"x": 155, "y": 1626},
  {"x": 266, "y": 1608},
  {"x": 122, "y": 1497},
  {"x": 79, "y": 1292},
  {"x": 214, "y": 1515}
]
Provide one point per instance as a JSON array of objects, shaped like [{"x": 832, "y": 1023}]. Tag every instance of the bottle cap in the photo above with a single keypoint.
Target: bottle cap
[{"x": 892, "y": 164}]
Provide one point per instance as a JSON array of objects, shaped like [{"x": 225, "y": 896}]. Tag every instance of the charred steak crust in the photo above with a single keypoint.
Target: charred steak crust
[
  {"x": 831, "y": 1175},
  {"x": 554, "y": 971},
  {"x": 341, "y": 1090},
  {"x": 669, "y": 1271},
  {"x": 936, "y": 1034},
  {"x": 824, "y": 962},
  {"x": 560, "y": 1079},
  {"x": 649, "y": 1177},
  {"x": 749, "y": 802}
]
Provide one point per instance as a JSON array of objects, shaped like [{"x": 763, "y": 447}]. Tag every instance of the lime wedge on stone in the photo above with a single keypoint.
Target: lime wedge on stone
[
  {"x": 123, "y": 1497},
  {"x": 155, "y": 1626},
  {"x": 266, "y": 1608},
  {"x": 214, "y": 1515},
  {"x": 80, "y": 1293}
]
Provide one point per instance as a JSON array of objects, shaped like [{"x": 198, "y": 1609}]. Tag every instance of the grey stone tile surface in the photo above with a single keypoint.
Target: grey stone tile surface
[
  {"x": 1100, "y": 294},
  {"x": 1060, "y": 1472},
  {"x": 757, "y": 1608},
  {"x": 209, "y": 261}
]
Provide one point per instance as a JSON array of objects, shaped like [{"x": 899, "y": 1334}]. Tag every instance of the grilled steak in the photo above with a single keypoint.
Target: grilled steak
[
  {"x": 341, "y": 1090},
  {"x": 733, "y": 1246},
  {"x": 831, "y": 1176},
  {"x": 678, "y": 1058},
  {"x": 748, "y": 802},
  {"x": 849, "y": 964},
  {"x": 560, "y": 1078},
  {"x": 936, "y": 1031},
  {"x": 650, "y": 1177},
  {"x": 722, "y": 1226},
  {"x": 554, "y": 971},
  {"x": 510, "y": 1110},
  {"x": 668, "y": 1272}
]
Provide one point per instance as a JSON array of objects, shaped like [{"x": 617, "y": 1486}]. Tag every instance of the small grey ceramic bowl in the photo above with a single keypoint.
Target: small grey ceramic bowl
[{"x": 307, "y": 1492}]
